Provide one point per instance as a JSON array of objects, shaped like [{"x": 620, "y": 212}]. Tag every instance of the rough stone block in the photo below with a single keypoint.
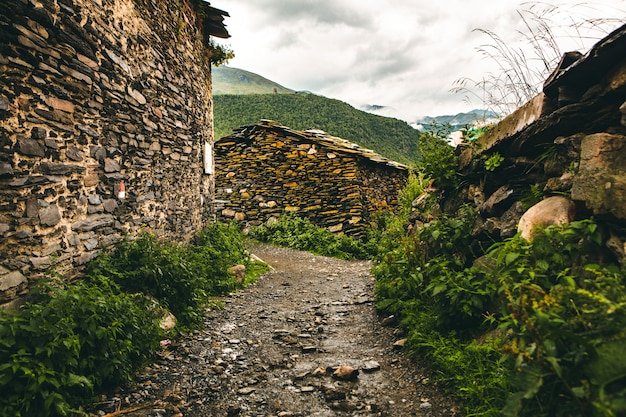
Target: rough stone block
[
  {"x": 30, "y": 147},
  {"x": 50, "y": 216},
  {"x": 93, "y": 222}
]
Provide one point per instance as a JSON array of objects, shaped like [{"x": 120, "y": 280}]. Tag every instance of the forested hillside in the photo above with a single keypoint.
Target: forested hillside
[{"x": 392, "y": 138}]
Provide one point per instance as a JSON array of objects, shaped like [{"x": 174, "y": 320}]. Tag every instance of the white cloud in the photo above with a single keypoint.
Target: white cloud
[{"x": 405, "y": 54}]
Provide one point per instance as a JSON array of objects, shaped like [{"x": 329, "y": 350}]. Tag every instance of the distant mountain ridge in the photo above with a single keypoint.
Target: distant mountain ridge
[
  {"x": 243, "y": 98},
  {"x": 392, "y": 138},
  {"x": 228, "y": 80},
  {"x": 460, "y": 120}
]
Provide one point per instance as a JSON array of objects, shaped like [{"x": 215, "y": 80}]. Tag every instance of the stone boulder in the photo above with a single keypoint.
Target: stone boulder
[
  {"x": 239, "y": 271},
  {"x": 167, "y": 321},
  {"x": 11, "y": 282},
  {"x": 550, "y": 211}
]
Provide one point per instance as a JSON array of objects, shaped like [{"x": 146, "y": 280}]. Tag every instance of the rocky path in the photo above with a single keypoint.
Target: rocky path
[{"x": 302, "y": 341}]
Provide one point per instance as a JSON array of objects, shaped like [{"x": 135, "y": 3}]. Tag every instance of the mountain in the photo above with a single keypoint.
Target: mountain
[
  {"x": 228, "y": 80},
  {"x": 392, "y": 138},
  {"x": 373, "y": 107},
  {"x": 460, "y": 120}
]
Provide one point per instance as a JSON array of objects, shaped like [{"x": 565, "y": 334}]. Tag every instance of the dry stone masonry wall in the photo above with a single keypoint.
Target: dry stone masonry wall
[
  {"x": 105, "y": 107},
  {"x": 569, "y": 141},
  {"x": 265, "y": 170}
]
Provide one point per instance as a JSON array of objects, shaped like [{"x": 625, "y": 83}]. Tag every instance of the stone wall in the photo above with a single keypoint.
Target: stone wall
[
  {"x": 568, "y": 141},
  {"x": 105, "y": 108},
  {"x": 265, "y": 170}
]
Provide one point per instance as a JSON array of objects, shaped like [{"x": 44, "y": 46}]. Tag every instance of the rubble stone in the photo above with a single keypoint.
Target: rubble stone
[
  {"x": 63, "y": 115},
  {"x": 267, "y": 169}
]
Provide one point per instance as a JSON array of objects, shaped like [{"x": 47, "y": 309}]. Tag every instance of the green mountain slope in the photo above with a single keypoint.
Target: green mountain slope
[
  {"x": 227, "y": 80},
  {"x": 392, "y": 138}
]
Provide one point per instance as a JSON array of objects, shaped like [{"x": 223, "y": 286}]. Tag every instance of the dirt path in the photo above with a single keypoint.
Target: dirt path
[{"x": 273, "y": 349}]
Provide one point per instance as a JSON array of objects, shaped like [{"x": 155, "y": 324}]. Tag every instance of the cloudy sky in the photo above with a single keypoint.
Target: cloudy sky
[{"x": 406, "y": 54}]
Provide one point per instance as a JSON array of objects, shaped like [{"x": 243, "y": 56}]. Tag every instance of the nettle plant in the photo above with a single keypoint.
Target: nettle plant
[
  {"x": 74, "y": 340},
  {"x": 293, "y": 231},
  {"x": 521, "y": 329},
  {"x": 564, "y": 317}
]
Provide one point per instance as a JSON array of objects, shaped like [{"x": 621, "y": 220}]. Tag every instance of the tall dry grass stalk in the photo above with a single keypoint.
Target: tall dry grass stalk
[{"x": 521, "y": 66}]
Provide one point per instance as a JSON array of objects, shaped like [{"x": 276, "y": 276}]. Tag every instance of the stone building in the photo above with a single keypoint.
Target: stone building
[
  {"x": 265, "y": 170},
  {"x": 106, "y": 127}
]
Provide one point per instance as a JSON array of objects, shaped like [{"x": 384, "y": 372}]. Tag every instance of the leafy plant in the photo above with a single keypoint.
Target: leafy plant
[
  {"x": 565, "y": 316},
  {"x": 471, "y": 134},
  {"x": 472, "y": 370},
  {"x": 163, "y": 270},
  {"x": 531, "y": 198},
  {"x": 415, "y": 186},
  {"x": 181, "y": 277},
  {"x": 75, "y": 340},
  {"x": 438, "y": 160},
  {"x": 430, "y": 268},
  {"x": 426, "y": 280},
  {"x": 296, "y": 232},
  {"x": 525, "y": 329},
  {"x": 219, "y": 54},
  {"x": 493, "y": 161}
]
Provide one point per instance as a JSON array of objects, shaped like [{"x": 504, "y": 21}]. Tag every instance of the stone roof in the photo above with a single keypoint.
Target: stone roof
[
  {"x": 213, "y": 21},
  {"x": 320, "y": 137}
]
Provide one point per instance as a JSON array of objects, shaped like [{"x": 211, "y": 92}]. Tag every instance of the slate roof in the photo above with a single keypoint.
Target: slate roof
[
  {"x": 213, "y": 22},
  {"x": 317, "y": 136}
]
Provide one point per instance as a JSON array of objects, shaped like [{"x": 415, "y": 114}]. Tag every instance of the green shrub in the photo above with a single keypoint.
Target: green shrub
[
  {"x": 163, "y": 270},
  {"x": 74, "y": 341},
  {"x": 565, "y": 317},
  {"x": 555, "y": 306},
  {"x": 299, "y": 233},
  {"x": 180, "y": 277},
  {"x": 493, "y": 162},
  {"x": 438, "y": 160},
  {"x": 215, "y": 249},
  {"x": 431, "y": 266},
  {"x": 415, "y": 186},
  {"x": 471, "y": 134}
]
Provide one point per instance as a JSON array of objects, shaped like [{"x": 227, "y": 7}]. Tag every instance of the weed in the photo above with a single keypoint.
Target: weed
[
  {"x": 76, "y": 339},
  {"x": 559, "y": 308},
  {"x": 531, "y": 198},
  {"x": 565, "y": 316},
  {"x": 523, "y": 69},
  {"x": 415, "y": 186},
  {"x": 493, "y": 162},
  {"x": 438, "y": 161},
  {"x": 296, "y": 232},
  {"x": 472, "y": 134},
  {"x": 219, "y": 54}
]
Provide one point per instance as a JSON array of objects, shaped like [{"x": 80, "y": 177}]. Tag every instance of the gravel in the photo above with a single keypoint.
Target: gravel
[{"x": 304, "y": 340}]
